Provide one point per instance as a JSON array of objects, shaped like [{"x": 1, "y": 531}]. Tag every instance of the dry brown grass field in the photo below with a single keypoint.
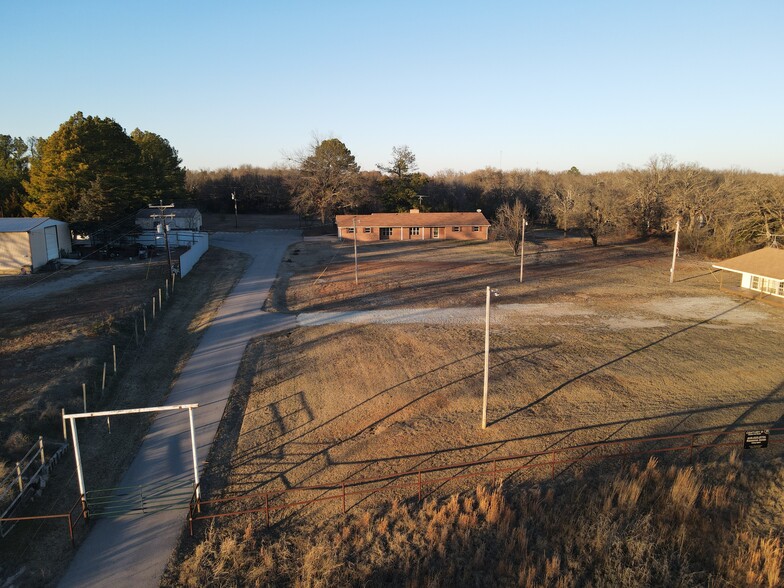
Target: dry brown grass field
[{"x": 594, "y": 345}]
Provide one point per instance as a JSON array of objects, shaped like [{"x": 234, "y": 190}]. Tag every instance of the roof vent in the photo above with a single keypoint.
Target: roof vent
[{"x": 479, "y": 210}]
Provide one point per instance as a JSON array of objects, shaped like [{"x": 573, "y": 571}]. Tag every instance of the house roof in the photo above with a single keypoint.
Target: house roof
[
  {"x": 413, "y": 219},
  {"x": 767, "y": 262},
  {"x": 22, "y": 225},
  {"x": 177, "y": 212}
]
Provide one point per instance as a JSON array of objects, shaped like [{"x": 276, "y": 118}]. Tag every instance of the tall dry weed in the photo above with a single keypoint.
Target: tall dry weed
[
  {"x": 644, "y": 526},
  {"x": 756, "y": 561},
  {"x": 684, "y": 491}
]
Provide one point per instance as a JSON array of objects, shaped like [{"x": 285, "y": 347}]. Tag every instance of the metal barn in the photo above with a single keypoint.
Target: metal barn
[{"x": 29, "y": 243}]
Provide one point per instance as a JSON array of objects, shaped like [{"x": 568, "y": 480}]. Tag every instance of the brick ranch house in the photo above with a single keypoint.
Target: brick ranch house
[{"x": 413, "y": 225}]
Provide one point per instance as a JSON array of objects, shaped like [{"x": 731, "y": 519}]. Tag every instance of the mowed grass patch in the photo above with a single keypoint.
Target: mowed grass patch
[
  {"x": 341, "y": 401},
  {"x": 320, "y": 275}
]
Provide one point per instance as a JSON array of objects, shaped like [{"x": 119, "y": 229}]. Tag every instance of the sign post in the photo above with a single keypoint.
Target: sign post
[{"x": 756, "y": 439}]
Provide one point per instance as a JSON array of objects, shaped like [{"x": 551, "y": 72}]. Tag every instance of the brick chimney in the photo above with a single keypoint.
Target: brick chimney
[{"x": 414, "y": 211}]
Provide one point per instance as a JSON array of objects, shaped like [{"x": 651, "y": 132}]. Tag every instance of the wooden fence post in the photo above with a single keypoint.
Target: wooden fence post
[
  {"x": 84, "y": 395},
  {"x": 691, "y": 449},
  {"x": 114, "y": 358},
  {"x": 103, "y": 378},
  {"x": 153, "y": 308},
  {"x": 41, "y": 447},
  {"x": 19, "y": 476},
  {"x": 144, "y": 320}
]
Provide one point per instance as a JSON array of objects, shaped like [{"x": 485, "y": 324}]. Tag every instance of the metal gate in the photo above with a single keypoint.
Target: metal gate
[{"x": 140, "y": 500}]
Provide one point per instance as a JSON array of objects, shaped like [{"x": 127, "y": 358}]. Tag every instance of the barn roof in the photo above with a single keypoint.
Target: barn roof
[
  {"x": 177, "y": 212},
  {"x": 767, "y": 262},
  {"x": 415, "y": 219},
  {"x": 22, "y": 225}
]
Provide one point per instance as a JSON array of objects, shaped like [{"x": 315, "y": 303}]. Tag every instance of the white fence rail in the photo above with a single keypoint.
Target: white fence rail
[{"x": 190, "y": 257}]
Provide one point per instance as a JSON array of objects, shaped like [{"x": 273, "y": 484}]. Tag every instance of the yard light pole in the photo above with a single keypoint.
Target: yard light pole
[
  {"x": 487, "y": 354},
  {"x": 236, "y": 219},
  {"x": 523, "y": 224},
  {"x": 675, "y": 251}
]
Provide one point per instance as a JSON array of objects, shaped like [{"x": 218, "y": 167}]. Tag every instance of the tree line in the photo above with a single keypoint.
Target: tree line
[
  {"x": 721, "y": 212},
  {"x": 91, "y": 172}
]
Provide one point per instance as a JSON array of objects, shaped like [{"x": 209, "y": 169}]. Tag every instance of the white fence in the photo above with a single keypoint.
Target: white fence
[
  {"x": 190, "y": 257},
  {"x": 197, "y": 243},
  {"x": 176, "y": 238}
]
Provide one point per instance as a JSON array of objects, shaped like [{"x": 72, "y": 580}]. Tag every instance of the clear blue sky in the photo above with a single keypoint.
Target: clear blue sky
[{"x": 465, "y": 85}]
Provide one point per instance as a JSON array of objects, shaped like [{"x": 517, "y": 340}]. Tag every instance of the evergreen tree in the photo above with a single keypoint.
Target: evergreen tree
[
  {"x": 14, "y": 171},
  {"x": 162, "y": 175},
  {"x": 403, "y": 182},
  {"x": 89, "y": 170}
]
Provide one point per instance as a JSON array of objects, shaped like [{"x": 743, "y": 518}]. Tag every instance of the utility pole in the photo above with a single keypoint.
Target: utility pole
[
  {"x": 675, "y": 251},
  {"x": 236, "y": 219},
  {"x": 487, "y": 355},
  {"x": 163, "y": 218},
  {"x": 523, "y": 223},
  {"x": 356, "y": 269}
]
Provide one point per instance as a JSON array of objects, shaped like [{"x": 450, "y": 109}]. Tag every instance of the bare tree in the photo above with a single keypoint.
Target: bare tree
[
  {"x": 509, "y": 223},
  {"x": 562, "y": 192},
  {"x": 647, "y": 193}
]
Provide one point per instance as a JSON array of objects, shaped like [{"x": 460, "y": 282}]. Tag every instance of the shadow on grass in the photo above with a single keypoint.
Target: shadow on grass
[
  {"x": 614, "y": 361},
  {"x": 252, "y": 454}
]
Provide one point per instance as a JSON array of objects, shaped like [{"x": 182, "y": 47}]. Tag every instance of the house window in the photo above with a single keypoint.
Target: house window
[
  {"x": 475, "y": 229},
  {"x": 769, "y": 286},
  {"x": 385, "y": 232},
  {"x": 780, "y": 290},
  {"x": 455, "y": 229},
  {"x": 755, "y": 282},
  {"x": 413, "y": 232},
  {"x": 349, "y": 230},
  {"x": 435, "y": 232},
  {"x": 367, "y": 229}
]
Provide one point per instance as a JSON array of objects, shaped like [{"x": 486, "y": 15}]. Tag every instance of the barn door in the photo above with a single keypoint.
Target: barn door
[{"x": 52, "y": 248}]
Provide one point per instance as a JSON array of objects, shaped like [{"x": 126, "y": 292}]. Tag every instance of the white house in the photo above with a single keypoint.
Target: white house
[
  {"x": 31, "y": 242},
  {"x": 184, "y": 218},
  {"x": 761, "y": 272}
]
